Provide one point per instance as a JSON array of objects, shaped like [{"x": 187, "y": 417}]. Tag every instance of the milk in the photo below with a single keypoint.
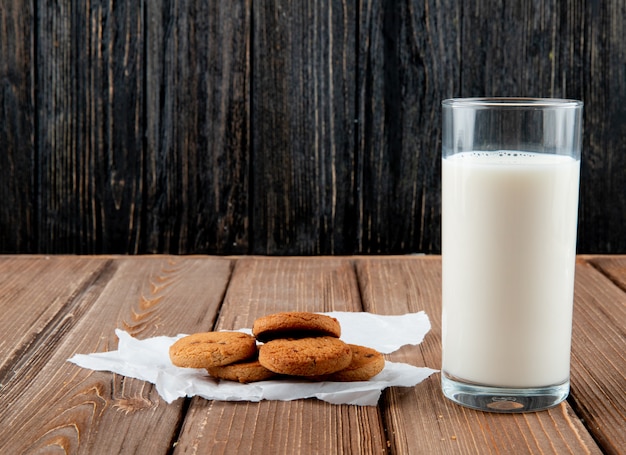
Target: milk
[{"x": 508, "y": 244}]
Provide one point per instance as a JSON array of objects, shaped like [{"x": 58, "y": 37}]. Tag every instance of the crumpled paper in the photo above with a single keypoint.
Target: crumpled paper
[{"x": 149, "y": 360}]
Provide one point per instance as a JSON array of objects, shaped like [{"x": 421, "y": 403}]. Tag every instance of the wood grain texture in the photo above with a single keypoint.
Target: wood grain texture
[
  {"x": 277, "y": 127},
  {"x": 53, "y": 287},
  {"x": 424, "y": 420},
  {"x": 603, "y": 180},
  {"x": 527, "y": 48},
  {"x": 273, "y": 427},
  {"x": 262, "y": 286},
  {"x": 89, "y": 117},
  {"x": 599, "y": 356},
  {"x": 612, "y": 266},
  {"x": 289, "y": 284},
  {"x": 197, "y": 127},
  {"x": 18, "y": 159},
  {"x": 407, "y": 54},
  {"x": 56, "y": 405},
  {"x": 73, "y": 304},
  {"x": 303, "y": 111},
  {"x": 569, "y": 49}
]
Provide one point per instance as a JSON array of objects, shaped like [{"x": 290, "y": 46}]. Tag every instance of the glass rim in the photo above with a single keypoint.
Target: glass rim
[{"x": 512, "y": 102}]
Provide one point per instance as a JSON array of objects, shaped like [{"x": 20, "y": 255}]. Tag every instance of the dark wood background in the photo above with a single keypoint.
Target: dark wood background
[{"x": 280, "y": 126}]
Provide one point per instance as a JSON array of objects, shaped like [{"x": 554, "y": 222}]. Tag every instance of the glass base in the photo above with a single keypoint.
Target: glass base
[{"x": 501, "y": 399}]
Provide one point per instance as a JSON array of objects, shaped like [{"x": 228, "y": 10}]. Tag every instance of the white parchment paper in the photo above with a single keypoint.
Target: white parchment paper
[{"x": 149, "y": 360}]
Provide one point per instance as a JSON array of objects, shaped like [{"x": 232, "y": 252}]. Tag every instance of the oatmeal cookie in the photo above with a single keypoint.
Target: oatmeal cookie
[
  {"x": 366, "y": 363},
  {"x": 209, "y": 349},
  {"x": 295, "y": 324},
  {"x": 305, "y": 356},
  {"x": 244, "y": 372}
]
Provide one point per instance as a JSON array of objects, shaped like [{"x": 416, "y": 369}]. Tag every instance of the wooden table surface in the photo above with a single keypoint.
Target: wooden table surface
[{"x": 54, "y": 307}]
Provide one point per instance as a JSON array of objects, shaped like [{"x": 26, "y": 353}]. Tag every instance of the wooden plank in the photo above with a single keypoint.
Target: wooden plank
[
  {"x": 526, "y": 49},
  {"x": 423, "y": 420},
  {"x": 261, "y": 286},
  {"x": 614, "y": 267},
  {"x": 535, "y": 49},
  {"x": 599, "y": 355},
  {"x": 128, "y": 127},
  {"x": 90, "y": 134},
  {"x": 603, "y": 180},
  {"x": 56, "y": 405},
  {"x": 37, "y": 293},
  {"x": 197, "y": 127},
  {"x": 18, "y": 163},
  {"x": 303, "y": 109},
  {"x": 409, "y": 60}
]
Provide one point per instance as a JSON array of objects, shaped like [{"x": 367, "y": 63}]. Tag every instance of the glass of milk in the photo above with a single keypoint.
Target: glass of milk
[{"x": 510, "y": 177}]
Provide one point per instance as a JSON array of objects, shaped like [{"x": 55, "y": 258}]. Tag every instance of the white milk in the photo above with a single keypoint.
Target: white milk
[{"x": 508, "y": 244}]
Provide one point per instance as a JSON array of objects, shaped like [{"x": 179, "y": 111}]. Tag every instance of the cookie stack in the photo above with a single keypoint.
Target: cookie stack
[{"x": 301, "y": 344}]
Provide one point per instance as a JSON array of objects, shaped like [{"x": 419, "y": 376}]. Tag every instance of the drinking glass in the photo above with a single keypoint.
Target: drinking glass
[{"x": 510, "y": 179}]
